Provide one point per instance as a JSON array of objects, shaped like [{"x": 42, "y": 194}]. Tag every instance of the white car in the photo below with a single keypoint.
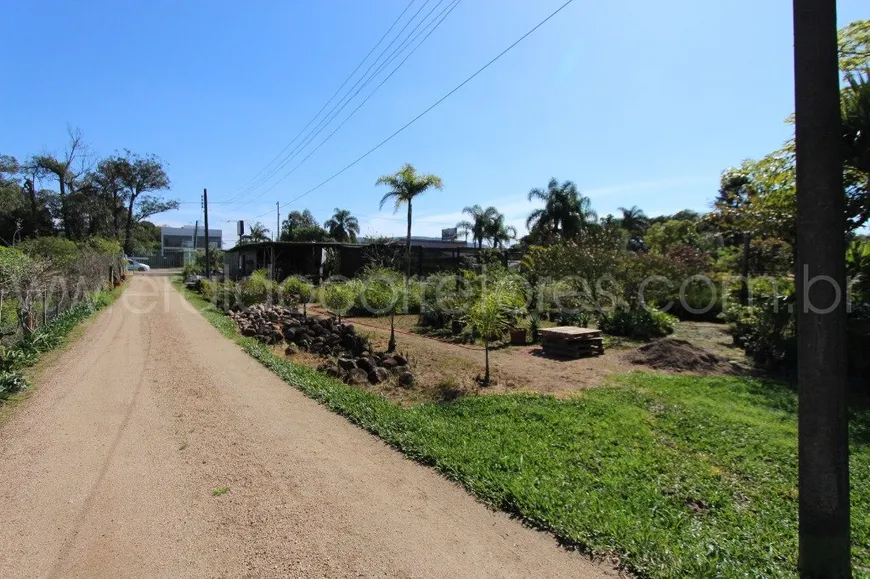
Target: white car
[{"x": 133, "y": 265}]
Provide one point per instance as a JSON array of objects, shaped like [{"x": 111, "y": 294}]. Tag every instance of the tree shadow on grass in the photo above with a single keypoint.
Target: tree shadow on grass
[{"x": 781, "y": 395}]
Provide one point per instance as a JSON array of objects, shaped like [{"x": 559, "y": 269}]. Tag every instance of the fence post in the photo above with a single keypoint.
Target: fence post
[{"x": 44, "y": 311}]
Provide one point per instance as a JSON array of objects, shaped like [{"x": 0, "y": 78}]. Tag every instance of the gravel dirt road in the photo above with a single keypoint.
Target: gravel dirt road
[{"x": 110, "y": 470}]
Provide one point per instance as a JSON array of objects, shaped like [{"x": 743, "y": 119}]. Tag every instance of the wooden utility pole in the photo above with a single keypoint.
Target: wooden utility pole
[
  {"x": 207, "y": 249},
  {"x": 823, "y": 443},
  {"x": 277, "y": 220}
]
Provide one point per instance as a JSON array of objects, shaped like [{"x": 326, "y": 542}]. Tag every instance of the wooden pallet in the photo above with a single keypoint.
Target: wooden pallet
[{"x": 572, "y": 342}]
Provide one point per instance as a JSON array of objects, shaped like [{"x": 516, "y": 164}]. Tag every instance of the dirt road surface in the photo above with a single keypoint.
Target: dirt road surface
[{"x": 116, "y": 467}]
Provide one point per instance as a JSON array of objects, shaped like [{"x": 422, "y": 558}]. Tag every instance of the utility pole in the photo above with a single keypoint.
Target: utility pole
[
  {"x": 820, "y": 272},
  {"x": 207, "y": 250},
  {"x": 277, "y": 220}
]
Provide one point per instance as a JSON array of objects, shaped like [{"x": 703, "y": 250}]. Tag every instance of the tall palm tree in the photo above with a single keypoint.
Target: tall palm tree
[
  {"x": 634, "y": 220},
  {"x": 406, "y": 184},
  {"x": 500, "y": 232},
  {"x": 342, "y": 226},
  {"x": 565, "y": 212},
  {"x": 480, "y": 223},
  {"x": 856, "y": 122},
  {"x": 259, "y": 232}
]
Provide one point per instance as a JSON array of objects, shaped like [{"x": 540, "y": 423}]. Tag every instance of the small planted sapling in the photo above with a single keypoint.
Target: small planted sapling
[
  {"x": 490, "y": 316},
  {"x": 338, "y": 298},
  {"x": 300, "y": 290}
]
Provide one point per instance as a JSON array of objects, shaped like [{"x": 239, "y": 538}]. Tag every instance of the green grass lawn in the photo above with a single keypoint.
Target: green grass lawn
[{"x": 679, "y": 476}]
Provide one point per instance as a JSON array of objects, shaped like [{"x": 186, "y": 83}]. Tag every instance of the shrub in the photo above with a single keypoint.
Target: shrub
[
  {"x": 700, "y": 302},
  {"x": 339, "y": 297},
  {"x": 259, "y": 288},
  {"x": 298, "y": 290},
  {"x": 638, "y": 323},
  {"x": 62, "y": 253},
  {"x": 764, "y": 328},
  {"x": 448, "y": 296},
  {"x": 11, "y": 381},
  {"x": 189, "y": 271}
]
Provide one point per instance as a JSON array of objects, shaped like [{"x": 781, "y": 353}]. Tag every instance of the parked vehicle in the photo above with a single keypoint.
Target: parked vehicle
[{"x": 133, "y": 265}]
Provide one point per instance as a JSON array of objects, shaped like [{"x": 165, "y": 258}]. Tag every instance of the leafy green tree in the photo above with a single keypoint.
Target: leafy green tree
[
  {"x": 215, "y": 256},
  {"x": 342, "y": 226},
  {"x": 12, "y": 200},
  {"x": 146, "y": 238},
  {"x": 140, "y": 177},
  {"x": 564, "y": 215},
  {"x": 662, "y": 236},
  {"x": 480, "y": 224},
  {"x": 302, "y": 226},
  {"x": 854, "y": 46},
  {"x": 406, "y": 185}
]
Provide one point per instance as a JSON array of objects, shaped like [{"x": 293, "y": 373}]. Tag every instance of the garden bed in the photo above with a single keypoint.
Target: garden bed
[{"x": 446, "y": 368}]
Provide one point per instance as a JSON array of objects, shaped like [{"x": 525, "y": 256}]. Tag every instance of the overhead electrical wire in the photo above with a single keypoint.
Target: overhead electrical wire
[
  {"x": 426, "y": 111},
  {"x": 342, "y": 102},
  {"x": 431, "y": 107},
  {"x": 343, "y": 84},
  {"x": 442, "y": 15},
  {"x": 340, "y": 106}
]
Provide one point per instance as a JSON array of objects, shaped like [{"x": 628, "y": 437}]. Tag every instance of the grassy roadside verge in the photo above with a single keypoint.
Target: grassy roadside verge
[
  {"x": 17, "y": 363},
  {"x": 678, "y": 476}
]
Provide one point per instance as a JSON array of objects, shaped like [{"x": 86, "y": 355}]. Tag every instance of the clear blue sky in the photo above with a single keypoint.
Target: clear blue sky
[{"x": 639, "y": 103}]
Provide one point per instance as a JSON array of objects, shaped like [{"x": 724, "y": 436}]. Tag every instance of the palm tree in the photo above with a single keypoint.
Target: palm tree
[
  {"x": 499, "y": 232},
  {"x": 856, "y": 122},
  {"x": 406, "y": 184},
  {"x": 634, "y": 220},
  {"x": 565, "y": 212},
  {"x": 258, "y": 232},
  {"x": 480, "y": 224},
  {"x": 342, "y": 226}
]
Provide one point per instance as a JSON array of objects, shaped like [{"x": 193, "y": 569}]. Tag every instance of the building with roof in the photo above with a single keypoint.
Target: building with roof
[
  {"x": 188, "y": 237},
  {"x": 320, "y": 260}
]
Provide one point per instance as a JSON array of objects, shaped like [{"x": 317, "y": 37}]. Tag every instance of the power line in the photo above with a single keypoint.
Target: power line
[
  {"x": 365, "y": 80},
  {"x": 435, "y": 104},
  {"x": 343, "y": 84},
  {"x": 345, "y": 99},
  {"x": 442, "y": 15}
]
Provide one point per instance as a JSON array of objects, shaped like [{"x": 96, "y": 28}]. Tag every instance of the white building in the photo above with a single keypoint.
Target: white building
[{"x": 176, "y": 239}]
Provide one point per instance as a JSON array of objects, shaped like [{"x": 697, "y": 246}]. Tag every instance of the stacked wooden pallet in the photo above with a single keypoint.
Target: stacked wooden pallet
[{"x": 571, "y": 342}]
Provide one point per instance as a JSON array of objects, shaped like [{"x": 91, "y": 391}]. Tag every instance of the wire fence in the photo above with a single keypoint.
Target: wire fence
[{"x": 23, "y": 312}]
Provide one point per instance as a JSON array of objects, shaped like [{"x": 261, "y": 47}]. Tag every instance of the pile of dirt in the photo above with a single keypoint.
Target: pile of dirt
[{"x": 680, "y": 356}]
